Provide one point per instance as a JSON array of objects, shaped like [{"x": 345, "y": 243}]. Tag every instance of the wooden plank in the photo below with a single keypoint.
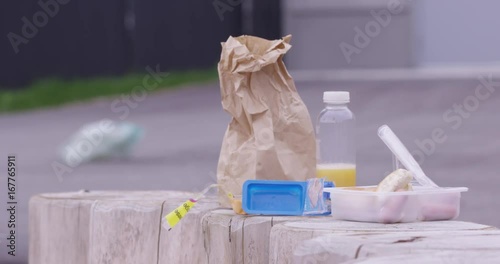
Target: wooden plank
[
  {"x": 124, "y": 227},
  {"x": 185, "y": 243},
  {"x": 59, "y": 231},
  {"x": 338, "y": 248},
  {"x": 256, "y": 238},
  {"x": 125, "y": 231},
  {"x": 237, "y": 238},
  {"x": 286, "y": 237},
  {"x": 89, "y": 227},
  {"x": 231, "y": 238},
  {"x": 415, "y": 242},
  {"x": 435, "y": 258},
  {"x": 216, "y": 236}
]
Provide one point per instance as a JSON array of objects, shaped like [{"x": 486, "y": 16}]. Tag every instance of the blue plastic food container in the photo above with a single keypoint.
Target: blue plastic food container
[{"x": 274, "y": 197}]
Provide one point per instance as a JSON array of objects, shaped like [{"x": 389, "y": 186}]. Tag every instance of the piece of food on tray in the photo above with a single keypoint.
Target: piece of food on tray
[
  {"x": 236, "y": 204},
  {"x": 392, "y": 207},
  {"x": 440, "y": 207},
  {"x": 397, "y": 180}
]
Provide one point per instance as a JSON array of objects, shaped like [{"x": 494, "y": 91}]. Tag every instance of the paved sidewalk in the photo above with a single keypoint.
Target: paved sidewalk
[{"x": 184, "y": 129}]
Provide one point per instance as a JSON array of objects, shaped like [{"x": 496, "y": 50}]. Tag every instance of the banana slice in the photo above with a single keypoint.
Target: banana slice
[
  {"x": 397, "y": 180},
  {"x": 236, "y": 204}
]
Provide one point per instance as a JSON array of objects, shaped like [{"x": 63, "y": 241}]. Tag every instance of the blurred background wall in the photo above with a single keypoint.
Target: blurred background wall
[
  {"x": 418, "y": 33},
  {"x": 456, "y": 32},
  {"x": 84, "y": 38},
  {"x": 100, "y": 38},
  {"x": 95, "y": 38},
  {"x": 346, "y": 34}
]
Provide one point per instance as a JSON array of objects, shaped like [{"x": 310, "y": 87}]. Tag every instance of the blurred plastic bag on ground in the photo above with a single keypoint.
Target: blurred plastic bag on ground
[{"x": 99, "y": 140}]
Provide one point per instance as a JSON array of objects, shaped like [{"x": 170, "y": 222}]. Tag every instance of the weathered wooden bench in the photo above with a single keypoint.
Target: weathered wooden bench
[
  {"x": 481, "y": 246},
  {"x": 124, "y": 227},
  {"x": 337, "y": 242},
  {"x": 114, "y": 227}
]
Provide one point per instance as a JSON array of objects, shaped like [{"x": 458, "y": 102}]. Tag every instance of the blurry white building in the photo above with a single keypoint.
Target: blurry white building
[{"x": 347, "y": 34}]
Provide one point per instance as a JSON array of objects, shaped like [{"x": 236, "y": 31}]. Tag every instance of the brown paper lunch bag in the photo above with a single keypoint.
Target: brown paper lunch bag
[{"x": 270, "y": 136}]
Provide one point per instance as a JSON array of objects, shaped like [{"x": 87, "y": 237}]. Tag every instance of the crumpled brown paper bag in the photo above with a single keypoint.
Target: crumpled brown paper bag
[{"x": 270, "y": 136}]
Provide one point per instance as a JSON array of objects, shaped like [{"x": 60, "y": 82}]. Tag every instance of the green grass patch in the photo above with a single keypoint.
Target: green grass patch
[{"x": 54, "y": 92}]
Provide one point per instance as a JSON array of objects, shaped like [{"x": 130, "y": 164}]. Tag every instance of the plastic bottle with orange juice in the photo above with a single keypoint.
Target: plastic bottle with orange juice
[{"x": 335, "y": 134}]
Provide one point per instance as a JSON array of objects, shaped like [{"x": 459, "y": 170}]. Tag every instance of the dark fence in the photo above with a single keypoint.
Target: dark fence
[
  {"x": 82, "y": 38},
  {"x": 266, "y": 19}
]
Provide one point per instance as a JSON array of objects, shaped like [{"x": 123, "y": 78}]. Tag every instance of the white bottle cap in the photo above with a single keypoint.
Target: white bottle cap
[{"x": 336, "y": 97}]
